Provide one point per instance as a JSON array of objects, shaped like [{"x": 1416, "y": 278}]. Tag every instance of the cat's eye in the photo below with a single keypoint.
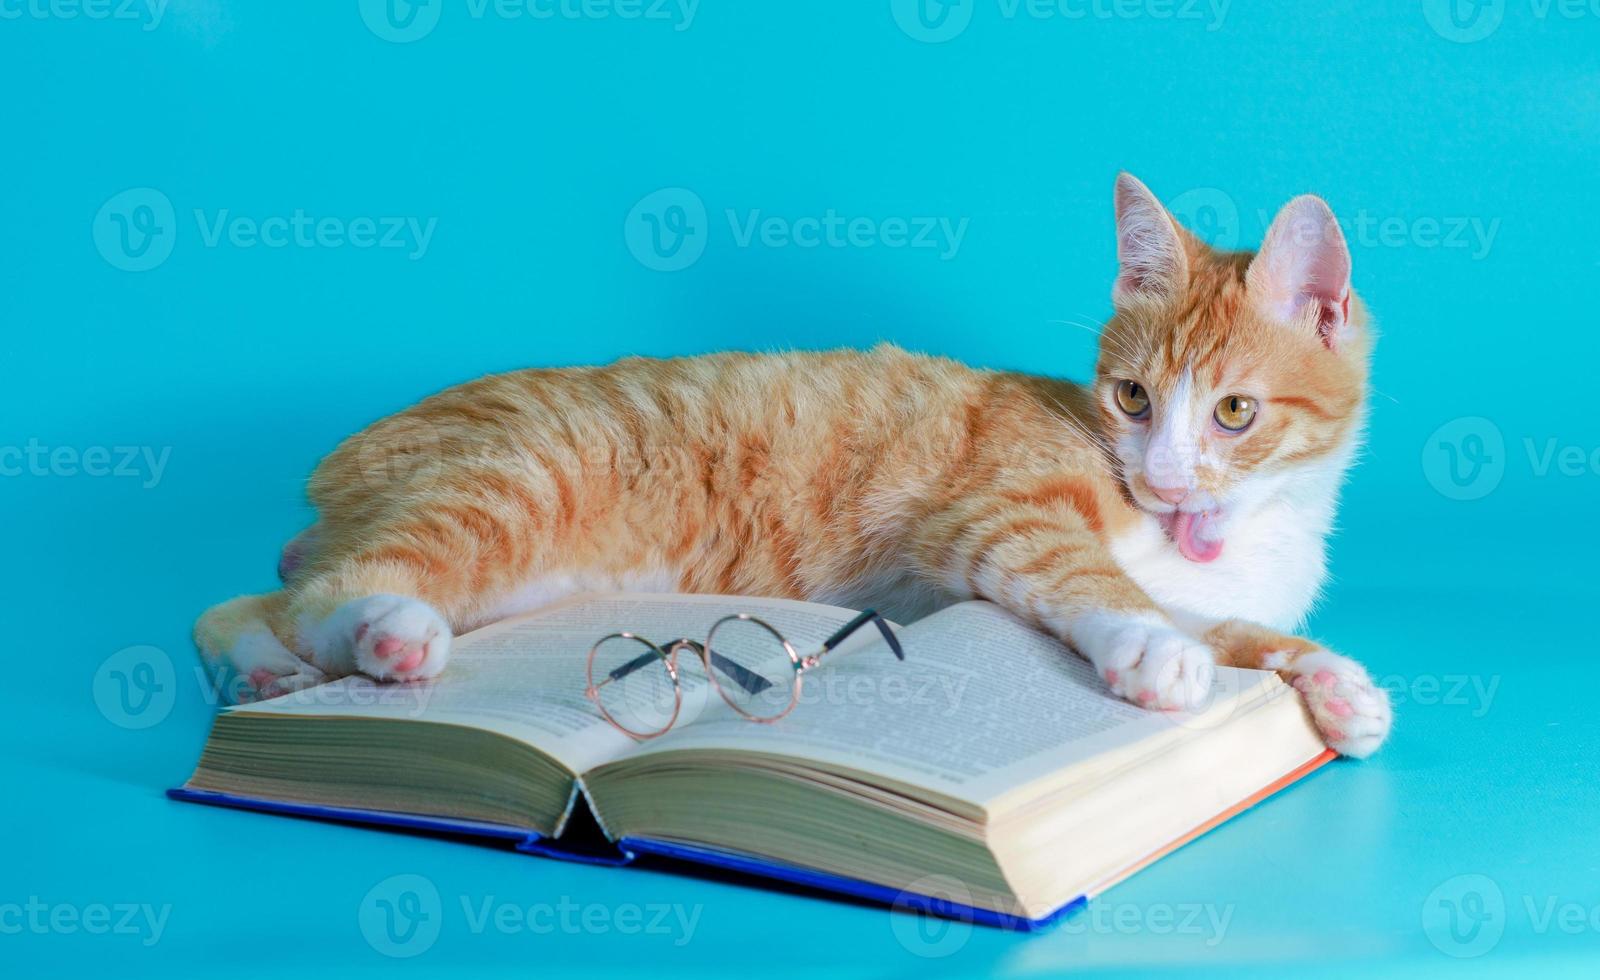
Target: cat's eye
[
  {"x": 1235, "y": 413},
  {"x": 1133, "y": 399}
]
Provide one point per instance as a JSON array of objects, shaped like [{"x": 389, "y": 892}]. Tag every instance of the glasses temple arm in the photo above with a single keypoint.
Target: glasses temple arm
[
  {"x": 642, "y": 660},
  {"x": 863, "y": 618},
  {"x": 752, "y": 682}
]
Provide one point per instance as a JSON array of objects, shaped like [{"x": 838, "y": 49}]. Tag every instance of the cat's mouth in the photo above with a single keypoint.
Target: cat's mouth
[{"x": 1198, "y": 534}]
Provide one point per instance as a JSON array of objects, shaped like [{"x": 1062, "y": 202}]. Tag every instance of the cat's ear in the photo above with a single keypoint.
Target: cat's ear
[
  {"x": 1149, "y": 252},
  {"x": 1302, "y": 274}
]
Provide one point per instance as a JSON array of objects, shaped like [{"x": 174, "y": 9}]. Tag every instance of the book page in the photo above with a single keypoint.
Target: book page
[
  {"x": 525, "y": 677},
  {"x": 981, "y": 705}
]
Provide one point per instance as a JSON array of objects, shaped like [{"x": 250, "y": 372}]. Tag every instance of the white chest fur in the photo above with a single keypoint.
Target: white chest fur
[
  {"x": 1270, "y": 572},
  {"x": 1273, "y": 563}
]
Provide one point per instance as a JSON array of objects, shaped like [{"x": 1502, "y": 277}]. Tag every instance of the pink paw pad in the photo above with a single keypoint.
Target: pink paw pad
[
  {"x": 388, "y": 647},
  {"x": 1340, "y": 707},
  {"x": 261, "y": 677},
  {"x": 1111, "y": 675},
  {"x": 1334, "y": 734},
  {"x": 412, "y": 660},
  {"x": 1145, "y": 697},
  {"x": 1325, "y": 678}
]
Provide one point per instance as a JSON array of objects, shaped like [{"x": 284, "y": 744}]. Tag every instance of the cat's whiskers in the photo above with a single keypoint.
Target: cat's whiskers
[{"x": 1119, "y": 344}]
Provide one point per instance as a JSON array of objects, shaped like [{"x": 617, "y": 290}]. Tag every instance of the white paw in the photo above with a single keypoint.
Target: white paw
[
  {"x": 265, "y": 668},
  {"x": 386, "y": 637},
  {"x": 1350, "y": 711},
  {"x": 1145, "y": 660}
]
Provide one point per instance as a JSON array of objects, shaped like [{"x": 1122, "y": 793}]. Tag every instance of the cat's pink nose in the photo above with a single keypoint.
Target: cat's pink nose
[{"x": 1172, "y": 495}]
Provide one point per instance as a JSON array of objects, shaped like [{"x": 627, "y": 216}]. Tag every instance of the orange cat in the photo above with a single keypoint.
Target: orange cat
[{"x": 1168, "y": 517}]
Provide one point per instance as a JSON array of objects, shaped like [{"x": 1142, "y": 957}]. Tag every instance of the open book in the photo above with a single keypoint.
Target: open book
[{"x": 989, "y": 774}]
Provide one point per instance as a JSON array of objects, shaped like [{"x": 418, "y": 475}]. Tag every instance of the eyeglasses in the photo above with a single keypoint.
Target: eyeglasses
[{"x": 636, "y": 683}]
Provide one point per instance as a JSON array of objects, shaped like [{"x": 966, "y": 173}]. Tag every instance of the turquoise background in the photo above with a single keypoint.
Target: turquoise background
[{"x": 1459, "y": 152}]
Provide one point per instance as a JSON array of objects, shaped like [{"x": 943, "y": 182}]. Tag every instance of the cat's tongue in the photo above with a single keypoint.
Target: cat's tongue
[{"x": 1196, "y": 535}]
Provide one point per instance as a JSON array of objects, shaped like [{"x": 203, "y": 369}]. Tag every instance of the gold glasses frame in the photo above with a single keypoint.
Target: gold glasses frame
[{"x": 715, "y": 664}]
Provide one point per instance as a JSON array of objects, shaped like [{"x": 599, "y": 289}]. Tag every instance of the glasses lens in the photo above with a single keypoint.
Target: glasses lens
[
  {"x": 751, "y": 667},
  {"x": 633, "y": 686}
]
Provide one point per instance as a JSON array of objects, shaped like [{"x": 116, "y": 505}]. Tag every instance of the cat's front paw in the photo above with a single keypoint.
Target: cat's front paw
[
  {"x": 1350, "y": 711},
  {"x": 387, "y": 637},
  {"x": 1144, "y": 659},
  {"x": 264, "y": 683},
  {"x": 263, "y": 668}
]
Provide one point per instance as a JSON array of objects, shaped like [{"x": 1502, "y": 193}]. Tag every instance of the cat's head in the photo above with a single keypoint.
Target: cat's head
[{"x": 1230, "y": 380}]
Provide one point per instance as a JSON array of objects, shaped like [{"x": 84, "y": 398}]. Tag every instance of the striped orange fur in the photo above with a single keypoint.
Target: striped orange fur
[{"x": 853, "y": 477}]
